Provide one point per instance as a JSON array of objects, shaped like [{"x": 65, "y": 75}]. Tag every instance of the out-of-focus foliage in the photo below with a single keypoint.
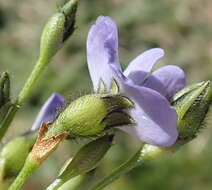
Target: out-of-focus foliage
[{"x": 182, "y": 27}]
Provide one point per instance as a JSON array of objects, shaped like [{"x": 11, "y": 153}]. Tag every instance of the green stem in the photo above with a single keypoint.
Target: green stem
[
  {"x": 24, "y": 94},
  {"x": 28, "y": 168},
  {"x": 36, "y": 72},
  {"x": 136, "y": 160}
]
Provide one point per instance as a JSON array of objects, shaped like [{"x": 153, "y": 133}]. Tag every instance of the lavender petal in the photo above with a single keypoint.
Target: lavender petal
[
  {"x": 167, "y": 80},
  {"x": 142, "y": 65},
  {"x": 102, "y": 51},
  {"x": 49, "y": 110}
]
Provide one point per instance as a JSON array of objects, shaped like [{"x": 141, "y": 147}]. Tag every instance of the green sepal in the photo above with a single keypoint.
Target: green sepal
[
  {"x": 69, "y": 10},
  {"x": 118, "y": 118},
  {"x": 86, "y": 116},
  {"x": 101, "y": 87},
  {"x": 192, "y": 106},
  {"x": 117, "y": 102},
  {"x": 4, "y": 88},
  {"x": 114, "y": 87},
  {"x": 185, "y": 91}
]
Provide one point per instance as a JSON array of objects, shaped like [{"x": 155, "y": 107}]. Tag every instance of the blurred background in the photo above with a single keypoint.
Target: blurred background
[{"x": 182, "y": 27}]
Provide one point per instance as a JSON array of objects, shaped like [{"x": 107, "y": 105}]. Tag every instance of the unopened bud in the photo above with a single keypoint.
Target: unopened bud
[
  {"x": 13, "y": 156},
  {"x": 192, "y": 104},
  {"x": 91, "y": 114},
  {"x": 59, "y": 27}
]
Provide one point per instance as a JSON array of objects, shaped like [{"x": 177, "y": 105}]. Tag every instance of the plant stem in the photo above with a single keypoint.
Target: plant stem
[
  {"x": 136, "y": 160},
  {"x": 36, "y": 72},
  {"x": 28, "y": 168},
  {"x": 24, "y": 94}
]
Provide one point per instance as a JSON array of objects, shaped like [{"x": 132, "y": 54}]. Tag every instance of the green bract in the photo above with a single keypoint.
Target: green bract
[{"x": 91, "y": 114}]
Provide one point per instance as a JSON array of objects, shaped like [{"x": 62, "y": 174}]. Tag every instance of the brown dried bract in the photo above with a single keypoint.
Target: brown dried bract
[{"x": 45, "y": 146}]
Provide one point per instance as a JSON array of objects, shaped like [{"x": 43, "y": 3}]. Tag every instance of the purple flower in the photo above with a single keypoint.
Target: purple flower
[
  {"x": 155, "y": 118},
  {"x": 49, "y": 110}
]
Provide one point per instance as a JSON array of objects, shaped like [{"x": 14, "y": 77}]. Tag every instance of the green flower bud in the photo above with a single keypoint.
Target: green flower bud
[
  {"x": 13, "y": 156},
  {"x": 84, "y": 161},
  {"x": 91, "y": 114},
  {"x": 192, "y": 104},
  {"x": 59, "y": 27}
]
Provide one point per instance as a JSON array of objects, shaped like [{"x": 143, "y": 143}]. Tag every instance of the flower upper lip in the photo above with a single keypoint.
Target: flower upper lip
[{"x": 155, "y": 118}]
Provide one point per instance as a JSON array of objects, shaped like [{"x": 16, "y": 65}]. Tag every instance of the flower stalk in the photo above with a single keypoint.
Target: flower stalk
[{"x": 27, "y": 169}]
